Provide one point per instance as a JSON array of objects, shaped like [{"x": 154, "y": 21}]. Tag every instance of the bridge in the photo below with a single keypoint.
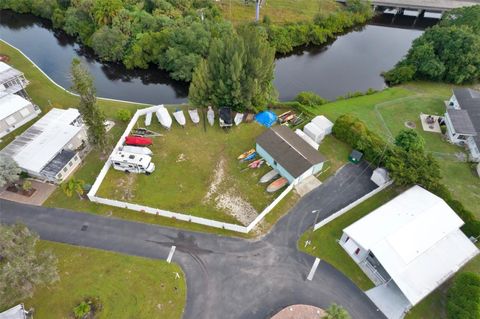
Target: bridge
[{"x": 423, "y": 5}]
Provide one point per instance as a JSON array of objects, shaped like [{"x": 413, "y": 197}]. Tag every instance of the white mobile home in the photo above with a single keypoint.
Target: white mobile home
[
  {"x": 132, "y": 162},
  {"x": 49, "y": 149},
  {"x": 15, "y": 111},
  {"x": 408, "y": 247},
  {"x": 11, "y": 80}
]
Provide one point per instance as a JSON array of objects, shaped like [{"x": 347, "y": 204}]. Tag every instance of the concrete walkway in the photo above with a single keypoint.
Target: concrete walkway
[{"x": 226, "y": 277}]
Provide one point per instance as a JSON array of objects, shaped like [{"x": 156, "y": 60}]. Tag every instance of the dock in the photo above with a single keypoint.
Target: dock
[{"x": 422, "y": 5}]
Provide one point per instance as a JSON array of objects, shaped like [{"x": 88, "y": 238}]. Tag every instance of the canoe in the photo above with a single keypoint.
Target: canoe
[
  {"x": 210, "y": 116},
  {"x": 164, "y": 117},
  {"x": 194, "y": 116},
  {"x": 245, "y": 154},
  {"x": 138, "y": 141},
  {"x": 256, "y": 163},
  {"x": 148, "y": 119},
  {"x": 238, "y": 118},
  {"x": 250, "y": 157},
  {"x": 180, "y": 117},
  {"x": 269, "y": 176},
  {"x": 277, "y": 184}
]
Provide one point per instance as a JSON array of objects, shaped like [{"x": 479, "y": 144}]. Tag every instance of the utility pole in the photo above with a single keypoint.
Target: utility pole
[{"x": 257, "y": 12}]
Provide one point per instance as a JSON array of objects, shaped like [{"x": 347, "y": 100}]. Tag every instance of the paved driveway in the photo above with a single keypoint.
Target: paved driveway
[{"x": 226, "y": 277}]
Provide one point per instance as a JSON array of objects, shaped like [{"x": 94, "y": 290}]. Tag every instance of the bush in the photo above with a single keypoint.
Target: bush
[
  {"x": 400, "y": 74},
  {"x": 81, "y": 310},
  {"x": 463, "y": 297},
  {"x": 124, "y": 115},
  {"x": 310, "y": 99}
]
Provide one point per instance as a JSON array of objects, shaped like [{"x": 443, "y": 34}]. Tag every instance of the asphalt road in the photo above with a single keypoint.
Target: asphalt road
[{"x": 226, "y": 277}]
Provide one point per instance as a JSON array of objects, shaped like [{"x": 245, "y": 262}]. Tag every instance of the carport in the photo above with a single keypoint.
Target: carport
[{"x": 389, "y": 299}]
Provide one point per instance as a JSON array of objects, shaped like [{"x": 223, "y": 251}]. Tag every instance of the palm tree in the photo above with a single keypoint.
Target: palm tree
[
  {"x": 337, "y": 312},
  {"x": 73, "y": 185}
]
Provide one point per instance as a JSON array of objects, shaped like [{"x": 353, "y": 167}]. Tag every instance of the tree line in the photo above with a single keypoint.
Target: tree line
[
  {"x": 175, "y": 35},
  {"x": 447, "y": 52}
]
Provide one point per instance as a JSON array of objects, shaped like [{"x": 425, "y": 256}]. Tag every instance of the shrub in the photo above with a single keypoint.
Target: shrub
[
  {"x": 81, "y": 310},
  {"x": 463, "y": 297},
  {"x": 400, "y": 74},
  {"x": 124, "y": 115},
  {"x": 310, "y": 98}
]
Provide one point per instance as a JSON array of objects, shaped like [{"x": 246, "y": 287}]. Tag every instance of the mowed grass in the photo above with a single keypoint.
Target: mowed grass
[
  {"x": 324, "y": 240},
  {"x": 279, "y": 11},
  {"x": 194, "y": 169},
  {"x": 336, "y": 153},
  {"x": 387, "y": 111},
  {"x": 128, "y": 287}
]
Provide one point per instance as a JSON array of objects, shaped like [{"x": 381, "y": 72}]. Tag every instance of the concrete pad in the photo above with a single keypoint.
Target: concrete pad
[
  {"x": 43, "y": 191},
  {"x": 307, "y": 185},
  {"x": 434, "y": 127},
  {"x": 390, "y": 300}
]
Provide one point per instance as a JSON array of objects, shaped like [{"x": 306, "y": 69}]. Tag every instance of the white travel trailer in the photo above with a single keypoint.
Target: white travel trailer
[{"x": 132, "y": 163}]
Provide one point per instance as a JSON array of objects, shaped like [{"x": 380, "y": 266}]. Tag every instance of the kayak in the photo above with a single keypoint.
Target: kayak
[
  {"x": 210, "y": 116},
  {"x": 180, "y": 117},
  {"x": 256, "y": 163},
  {"x": 269, "y": 176},
  {"x": 194, "y": 116},
  {"x": 148, "y": 119},
  {"x": 250, "y": 157},
  {"x": 277, "y": 184},
  {"x": 245, "y": 154},
  {"x": 138, "y": 141},
  {"x": 238, "y": 118}
]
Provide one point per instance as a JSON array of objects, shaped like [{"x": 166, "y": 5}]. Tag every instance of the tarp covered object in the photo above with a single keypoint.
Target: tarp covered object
[{"x": 266, "y": 118}]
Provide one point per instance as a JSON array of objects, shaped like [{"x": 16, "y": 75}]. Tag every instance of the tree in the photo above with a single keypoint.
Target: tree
[
  {"x": 91, "y": 114},
  {"x": 22, "y": 267},
  {"x": 105, "y": 10},
  {"x": 109, "y": 43},
  {"x": 9, "y": 170},
  {"x": 27, "y": 185},
  {"x": 124, "y": 115},
  {"x": 72, "y": 186},
  {"x": 463, "y": 297},
  {"x": 310, "y": 99},
  {"x": 409, "y": 140},
  {"x": 467, "y": 16},
  {"x": 337, "y": 312}
]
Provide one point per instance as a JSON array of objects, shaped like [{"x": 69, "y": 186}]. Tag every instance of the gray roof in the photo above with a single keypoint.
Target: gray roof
[
  {"x": 57, "y": 163},
  {"x": 461, "y": 121},
  {"x": 289, "y": 150},
  {"x": 469, "y": 100},
  {"x": 17, "y": 312}
]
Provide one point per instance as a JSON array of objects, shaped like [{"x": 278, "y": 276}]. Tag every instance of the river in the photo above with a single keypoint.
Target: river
[{"x": 353, "y": 62}]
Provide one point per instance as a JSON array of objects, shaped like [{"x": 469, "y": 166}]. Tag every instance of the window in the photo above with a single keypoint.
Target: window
[
  {"x": 346, "y": 239},
  {"x": 357, "y": 251},
  {"x": 65, "y": 169},
  {"x": 70, "y": 164},
  {"x": 59, "y": 175},
  {"x": 275, "y": 163},
  {"x": 75, "y": 157}
]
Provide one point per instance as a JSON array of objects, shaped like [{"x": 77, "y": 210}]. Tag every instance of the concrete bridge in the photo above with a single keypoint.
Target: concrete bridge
[{"x": 423, "y": 5}]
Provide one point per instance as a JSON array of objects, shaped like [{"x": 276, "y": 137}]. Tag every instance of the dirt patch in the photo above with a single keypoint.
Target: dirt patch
[
  {"x": 124, "y": 187},
  {"x": 410, "y": 124},
  {"x": 228, "y": 200},
  {"x": 181, "y": 158},
  {"x": 4, "y": 58}
]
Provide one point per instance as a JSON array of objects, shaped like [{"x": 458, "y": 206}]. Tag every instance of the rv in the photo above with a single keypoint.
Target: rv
[{"x": 132, "y": 163}]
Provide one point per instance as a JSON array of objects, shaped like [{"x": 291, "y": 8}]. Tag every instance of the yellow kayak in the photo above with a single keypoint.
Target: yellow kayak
[{"x": 246, "y": 154}]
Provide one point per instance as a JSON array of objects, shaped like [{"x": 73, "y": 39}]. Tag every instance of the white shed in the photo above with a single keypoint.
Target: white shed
[
  {"x": 380, "y": 176},
  {"x": 323, "y": 123},
  {"x": 307, "y": 139},
  {"x": 314, "y": 132}
]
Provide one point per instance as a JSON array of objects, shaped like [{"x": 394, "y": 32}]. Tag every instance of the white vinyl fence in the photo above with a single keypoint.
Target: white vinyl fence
[
  {"x": 165, "y": 213},
  {"x": 350, "y": 206}
]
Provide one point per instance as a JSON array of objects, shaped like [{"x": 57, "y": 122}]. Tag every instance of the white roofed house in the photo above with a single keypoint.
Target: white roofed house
[
  {"x": 408, "y": 247},
  {"x": 463, "y": 120},
  {"x": 49, "y": 149},
  {"x": 11, "y": 80},
  {"x": 15, "y": 111}
]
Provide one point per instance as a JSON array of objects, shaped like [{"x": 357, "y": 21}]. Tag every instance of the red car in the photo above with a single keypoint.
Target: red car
[{"x": 138, "y": 141}]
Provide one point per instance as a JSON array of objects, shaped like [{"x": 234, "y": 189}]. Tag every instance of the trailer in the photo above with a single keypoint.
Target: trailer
[{"x": 132, "y": 163}]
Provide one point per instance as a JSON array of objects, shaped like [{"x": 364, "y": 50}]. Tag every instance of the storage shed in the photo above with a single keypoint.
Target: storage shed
[
  {"x": 314, "y": 132},
  {"x": 323, "y": 123},
  {"x": 289, "y": 154},
  {"x": 380, "y": 176}
]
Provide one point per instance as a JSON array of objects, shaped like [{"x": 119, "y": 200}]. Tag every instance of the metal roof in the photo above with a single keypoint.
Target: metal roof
[
  {"x": 416, "y": 238},
  {"x": 40, "y": 143},
  {"x": 7, "y": 72},
  {"x": 289, "y": 150},
  {"x": 10, "y": 104}
]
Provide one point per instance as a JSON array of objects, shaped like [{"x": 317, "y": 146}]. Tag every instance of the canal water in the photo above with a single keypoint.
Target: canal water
[{"x": 353, "y": 62}]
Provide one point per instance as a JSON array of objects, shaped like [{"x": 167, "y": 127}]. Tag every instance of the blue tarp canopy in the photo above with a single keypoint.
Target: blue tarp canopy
[{"x": 266, "y": 118}]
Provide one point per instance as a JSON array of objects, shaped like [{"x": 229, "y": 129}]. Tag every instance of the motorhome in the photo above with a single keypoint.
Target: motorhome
[{"x": 132, "y": 163}]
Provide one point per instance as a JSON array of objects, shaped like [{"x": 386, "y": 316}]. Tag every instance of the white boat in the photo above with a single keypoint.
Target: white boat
[
  {"x": 194, "y": 116},
  {"x": 269, "y": 176},
  {"x": 148, "y": 119},
  {"x": 180, "y": 117},
  {"x": 142, "y": 150},
  {"x": 210, "y": 116},
  {"x": 238, "y": 118},
  {"x": 163, "y": 117}
]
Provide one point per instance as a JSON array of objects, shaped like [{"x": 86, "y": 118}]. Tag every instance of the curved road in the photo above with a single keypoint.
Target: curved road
[{"x": 226, "y": 277}]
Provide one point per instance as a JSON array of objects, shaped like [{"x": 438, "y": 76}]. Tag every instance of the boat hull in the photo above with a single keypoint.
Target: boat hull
[
  {"x": 269, "y": 176},
  {"x": 277, "y": 184}
]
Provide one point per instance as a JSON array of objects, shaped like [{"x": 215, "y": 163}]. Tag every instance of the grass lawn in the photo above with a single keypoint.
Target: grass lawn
[
  {"x": 279, "y": 11},
  {"x": 336, "y": 152},
  {"x": 127, "y": 286},
  {"x": 386, "y": 112},
  {"x": 197, "y": 173},
  {"x": 324, "y": 241}
]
